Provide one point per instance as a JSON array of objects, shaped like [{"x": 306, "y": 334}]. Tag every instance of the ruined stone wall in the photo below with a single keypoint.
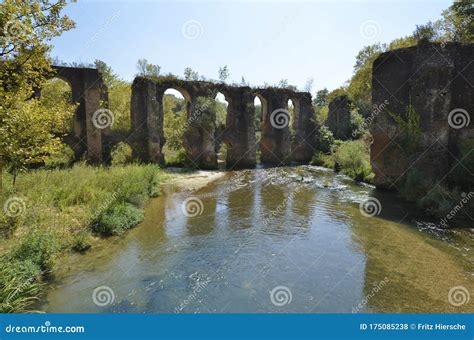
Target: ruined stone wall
[
  {"x": 275, "y": 144},
  {"x": 339, "y": 117},
  {"x": 89, "y": 91},
  {"x": 430, "y": 83},
  {"x": 304, "y": 143},
  {"x": 239, "y": 134}
]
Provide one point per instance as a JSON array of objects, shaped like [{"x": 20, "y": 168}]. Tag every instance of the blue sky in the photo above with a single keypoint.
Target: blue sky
[{"x": 264, "y": 41}]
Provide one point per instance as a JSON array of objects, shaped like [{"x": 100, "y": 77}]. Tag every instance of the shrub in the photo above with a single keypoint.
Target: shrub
[
  {"x": 352, "y": 158},
  {"x": 438, "y": 201},
  {"x": 325, "y": 139},
  {"x": 117, "y": 219},
  {"x": 121, "y": 154},
  {"x": 415, "y": 185},
  {"x": 321, "y": 159},
  {"x": 81, "y": 241},
  {"x": 357, "y": 123},
  {"x": 38, "y": 246}
]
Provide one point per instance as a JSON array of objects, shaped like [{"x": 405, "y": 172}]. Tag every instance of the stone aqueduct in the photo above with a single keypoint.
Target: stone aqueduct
[
  {"x": 434, "y": 80},
  {"x": 146, "y": 136}
]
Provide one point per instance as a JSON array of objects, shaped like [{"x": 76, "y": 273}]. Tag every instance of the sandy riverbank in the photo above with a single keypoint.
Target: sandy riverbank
[{"x": 194, "y": 180}]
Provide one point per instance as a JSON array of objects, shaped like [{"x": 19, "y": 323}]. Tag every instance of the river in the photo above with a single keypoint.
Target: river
[{"x": 278, "y": 240}]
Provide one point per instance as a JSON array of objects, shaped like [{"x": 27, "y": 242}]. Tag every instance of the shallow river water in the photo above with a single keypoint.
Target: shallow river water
[{"x": 272, "y": 240}]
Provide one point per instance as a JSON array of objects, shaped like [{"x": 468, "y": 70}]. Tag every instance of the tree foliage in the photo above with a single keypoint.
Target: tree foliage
[
  {"x": 223, "y": 73},
  {"x": 146, "y": 69},
  {"x": 29, "y": 126},
  {"x": 189, "y": 74},
  {"x": 120, "y": 93}
]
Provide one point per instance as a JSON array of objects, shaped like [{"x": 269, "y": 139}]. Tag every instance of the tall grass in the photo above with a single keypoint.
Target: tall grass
[{"x": 60, "y": 210}]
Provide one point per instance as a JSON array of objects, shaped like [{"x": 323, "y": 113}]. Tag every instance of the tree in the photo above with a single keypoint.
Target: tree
[
  {"x": 427, "y": 32},
  {"x": 223, "y": 73},
  {"x": 367, "y": 55},
  {"x": 26, "y": 26},
  {"x": 458, "y": 23},
  {"x": 283, "y": 83},
  {"x": 189, "y": 74},
  {"x": 120, "y": 93},
  {"x": 321, "y": 98},
  {"x": 110, "y": 78},
  {"x": 29, "y": 127},
  {"x": 244, "y": 82},
  {"x": 146, "y": 69}
]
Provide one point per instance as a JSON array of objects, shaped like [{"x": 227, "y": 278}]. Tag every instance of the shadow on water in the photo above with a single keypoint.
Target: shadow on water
[{"x": 296, "y": 227}]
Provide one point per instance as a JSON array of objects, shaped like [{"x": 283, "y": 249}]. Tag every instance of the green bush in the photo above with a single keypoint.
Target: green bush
[
  {"x": 117, "y": 219},
  {"x": 439, "y": 201},
  {"x": 436, "y": 200},
  {"x": 38, "y": 246},
  {"x": 321, "y": 159},
  {"x": 175, "y": 157},
  {"x": 325, "y": 139},
  {"x": 415, "y": 185},
  {"x": 358, "y": 125},
  {"x": 81, "y": 241},
  {"x": 352, "y": 158},
  {"x": 121, "y": 154}
]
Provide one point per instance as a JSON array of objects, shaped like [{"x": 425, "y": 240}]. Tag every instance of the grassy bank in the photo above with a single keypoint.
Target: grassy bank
[{"x": 49, "y": 212}]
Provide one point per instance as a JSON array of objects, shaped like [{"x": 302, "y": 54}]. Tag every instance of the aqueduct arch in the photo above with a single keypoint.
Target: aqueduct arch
[{"x": 239, "y": 134}]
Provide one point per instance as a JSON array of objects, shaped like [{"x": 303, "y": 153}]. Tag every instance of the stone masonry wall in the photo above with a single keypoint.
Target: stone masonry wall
[{"x": 435, "y": 85}]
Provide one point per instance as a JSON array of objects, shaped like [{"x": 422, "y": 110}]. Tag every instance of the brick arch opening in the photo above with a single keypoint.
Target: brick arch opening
[
  {"x": 261, "y": 111},
  {"x": 176, "y": 108}
]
